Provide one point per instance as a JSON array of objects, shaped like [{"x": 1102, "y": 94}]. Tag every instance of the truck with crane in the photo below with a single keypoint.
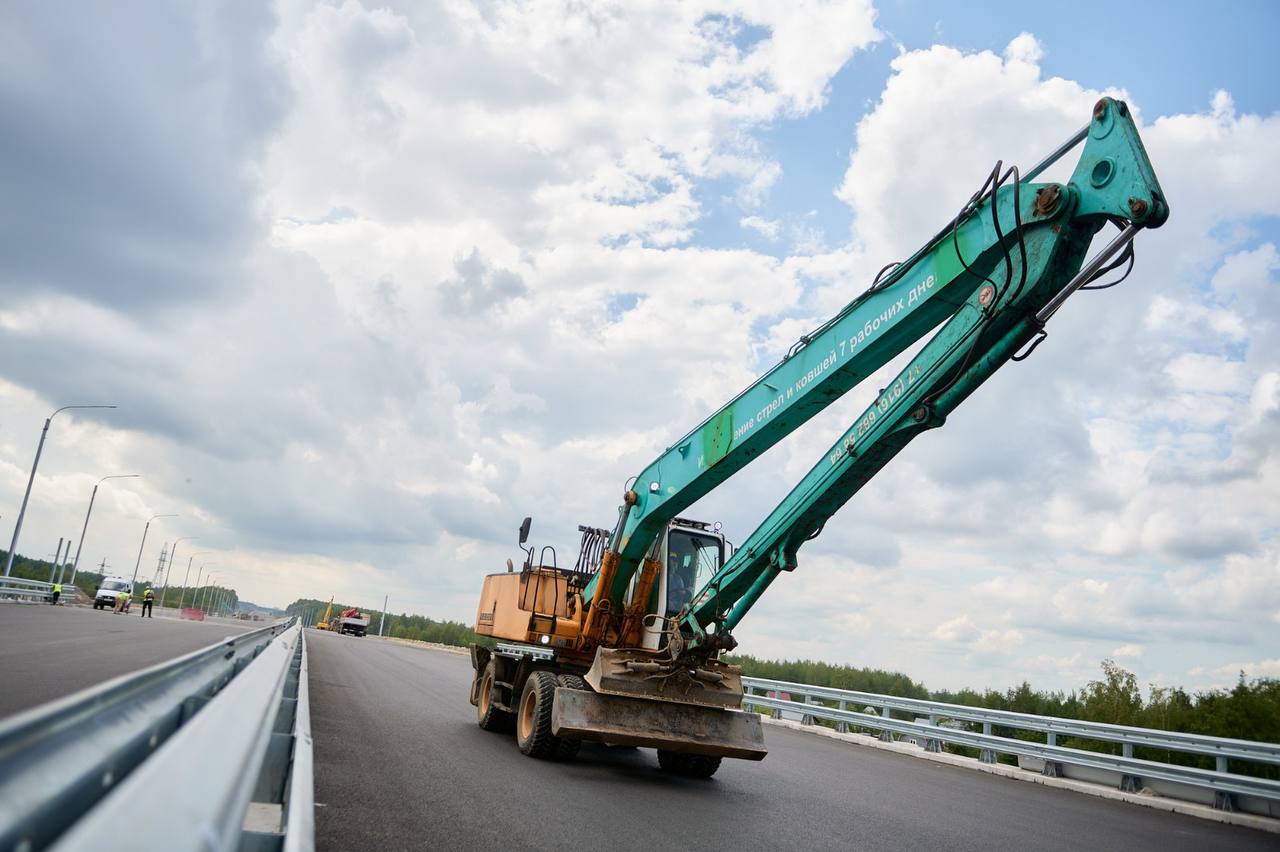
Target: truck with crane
[
  {"x": 624, "y": 646},
  {"x": 350, "y": 622}
]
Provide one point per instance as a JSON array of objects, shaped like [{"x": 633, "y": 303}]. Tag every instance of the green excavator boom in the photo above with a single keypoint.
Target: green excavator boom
[{"x": 991, "y": 278}]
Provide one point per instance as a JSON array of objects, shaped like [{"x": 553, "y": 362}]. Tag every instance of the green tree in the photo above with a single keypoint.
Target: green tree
[{"x": 1115, "y": 698}]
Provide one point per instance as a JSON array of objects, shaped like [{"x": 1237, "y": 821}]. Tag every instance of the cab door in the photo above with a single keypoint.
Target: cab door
[{"x": 689, "y": 559}]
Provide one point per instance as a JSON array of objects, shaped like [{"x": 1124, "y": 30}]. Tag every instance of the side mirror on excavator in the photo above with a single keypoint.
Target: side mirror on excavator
[{"x": 524, "y": 529}]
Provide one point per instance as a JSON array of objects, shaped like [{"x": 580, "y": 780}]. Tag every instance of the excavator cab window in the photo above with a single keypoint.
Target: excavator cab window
[{"x": 692, "y": 558}]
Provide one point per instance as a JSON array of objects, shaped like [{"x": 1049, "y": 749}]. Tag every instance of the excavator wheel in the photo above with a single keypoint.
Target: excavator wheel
[
  {"x": 489, "y": 717},
  {"x": 568, "y": 745},
  {"x": 533, "y": 716},
  {"x": 687, "y": 765}
]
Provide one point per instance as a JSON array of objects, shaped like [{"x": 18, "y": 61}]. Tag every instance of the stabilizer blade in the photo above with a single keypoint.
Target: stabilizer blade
[{"x": 620, "y": 720}]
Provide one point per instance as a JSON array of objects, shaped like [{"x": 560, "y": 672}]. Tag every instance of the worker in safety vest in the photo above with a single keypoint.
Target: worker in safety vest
[
  {"x": 148, "y": 598},
  {"x": 122, "y": 602},
  {"x": 57, "y": 592}
]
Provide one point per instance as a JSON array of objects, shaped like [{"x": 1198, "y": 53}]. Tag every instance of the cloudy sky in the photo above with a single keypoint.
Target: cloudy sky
[{"x": 370, "y": 282}]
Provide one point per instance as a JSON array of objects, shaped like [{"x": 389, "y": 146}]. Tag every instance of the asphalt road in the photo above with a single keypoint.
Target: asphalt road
[
  {"x": 401, "y": 764},
  {"x": 47, "y": 652}
]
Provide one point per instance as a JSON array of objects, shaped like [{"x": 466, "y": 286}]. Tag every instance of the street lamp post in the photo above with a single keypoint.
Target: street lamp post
[
  {"x": 62, "y": 566},
  {"x": 199, "y": 574},
  {"x": 53, "y": 566},
  {"x": 75, "y": 565},
  {"x": 62, "y": 570},
  {"x": 183, "y": 595},
  {"x": 205, "y": 591},
  {"x": 174, "y": 552},
  {"x": 172, "y": 555},
  {"x": 195, "y": 602},
  {"x": 144, "y": 544},
  {"x": 22, "y": 513}
]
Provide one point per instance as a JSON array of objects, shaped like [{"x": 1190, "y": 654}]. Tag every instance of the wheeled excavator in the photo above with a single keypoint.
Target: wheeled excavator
[
  {"x": 326, "y": 619},
  {"x": 624, "y": 646}
]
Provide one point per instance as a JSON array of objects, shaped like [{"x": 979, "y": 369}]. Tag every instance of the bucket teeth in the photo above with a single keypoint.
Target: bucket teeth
[{"x": 640, "y": 673}]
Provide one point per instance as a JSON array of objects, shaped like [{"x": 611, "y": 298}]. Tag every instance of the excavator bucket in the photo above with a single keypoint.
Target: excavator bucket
[
  {"x": 619, "y": 720},
  {"x": 640, "y": 699},
  {"x": 641, "y": 673}
]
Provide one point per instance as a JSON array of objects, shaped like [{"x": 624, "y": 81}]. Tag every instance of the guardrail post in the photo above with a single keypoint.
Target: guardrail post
[
  {"x": 843, "y": 727},
  {"x": 1220, "y": 763},
  {"x": 933, "y": 743},
  {"x": 988, "y": 756},
  {"x": 1051, "y": 768},
  {"x": 807, "y": 718},
  {"x": 885, "y": 736},
  {"x": 1126, "y": 749},
  {"x": 1224, "y": 801}
]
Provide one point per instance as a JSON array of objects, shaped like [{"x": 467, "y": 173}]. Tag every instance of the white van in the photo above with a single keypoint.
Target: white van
[{"x": 111, "y": 588}]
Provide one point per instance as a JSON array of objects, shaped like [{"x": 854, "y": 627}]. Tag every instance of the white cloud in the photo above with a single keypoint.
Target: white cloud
[
  {"x": 1025, "y": 48},
  {"x": 958, "y": 629},
  {"x": 1207, "y": 374},
  {"x": 1130, "y": 650},
  {"x": 765, "y": 227},
  {"x": 979, "y": 108},
  {"x": 1226, "y": 675}
]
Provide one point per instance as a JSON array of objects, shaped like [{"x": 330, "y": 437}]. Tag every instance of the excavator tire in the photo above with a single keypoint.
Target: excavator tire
[
  {"x": 489, "y": 717},
  {"x": 568, "y": 745},
  {"x": 533, "y": 716},
  {"x": 687, "y": 765}
]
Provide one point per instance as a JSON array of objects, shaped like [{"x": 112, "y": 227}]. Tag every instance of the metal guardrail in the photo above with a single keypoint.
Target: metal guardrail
[
  {"x": 213, "y": 747},
  {"x": 16, "y": 588},
  {"x": 1226, "y": 790}
]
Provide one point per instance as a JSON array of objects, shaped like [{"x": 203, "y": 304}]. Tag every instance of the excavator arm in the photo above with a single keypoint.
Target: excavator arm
[
  {"x": 593, "y": 653},
  {"x": 992, "y": 277}
]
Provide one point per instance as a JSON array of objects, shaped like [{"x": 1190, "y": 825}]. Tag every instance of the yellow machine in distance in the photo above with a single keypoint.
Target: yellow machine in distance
[{"x": 323, "y": 623}]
